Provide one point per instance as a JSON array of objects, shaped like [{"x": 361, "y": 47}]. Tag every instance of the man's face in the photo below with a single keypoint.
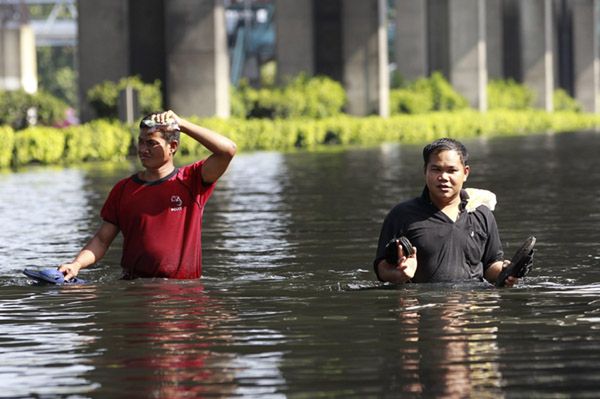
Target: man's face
[
  {"x": 445, "y": 175},
  {"x": 153, "y": 149}
]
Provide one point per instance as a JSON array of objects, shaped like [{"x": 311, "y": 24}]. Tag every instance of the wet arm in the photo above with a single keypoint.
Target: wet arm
[
  {"x": 222, "y": 149},
  {"x": 398, "y": 274},
  {"x": 491, "y": 274},
  {"x": 93, "y": 251}
]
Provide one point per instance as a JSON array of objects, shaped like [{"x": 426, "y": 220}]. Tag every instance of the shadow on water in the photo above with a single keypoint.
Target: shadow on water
[{"x": 288, "y": 304}]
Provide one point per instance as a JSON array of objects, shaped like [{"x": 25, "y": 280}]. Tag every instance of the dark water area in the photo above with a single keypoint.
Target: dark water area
[{"x": 288, "y": 305}]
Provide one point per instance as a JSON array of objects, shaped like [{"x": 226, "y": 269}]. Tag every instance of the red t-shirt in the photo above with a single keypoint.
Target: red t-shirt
[{"x": 161, "y": 223}]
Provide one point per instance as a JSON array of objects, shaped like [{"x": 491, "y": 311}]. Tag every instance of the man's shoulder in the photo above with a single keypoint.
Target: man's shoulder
[
  {"x": 191, "y": 169},
  {"x": 408, "y": 205},
  {"x": 123, "y": 181}
]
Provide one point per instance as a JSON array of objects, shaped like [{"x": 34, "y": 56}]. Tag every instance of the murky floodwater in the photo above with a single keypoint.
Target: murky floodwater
[{"x": 288, "y": 305}]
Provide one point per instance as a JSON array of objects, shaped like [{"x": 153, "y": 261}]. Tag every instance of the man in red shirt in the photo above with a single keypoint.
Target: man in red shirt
[{"x": 159, "y": 209}]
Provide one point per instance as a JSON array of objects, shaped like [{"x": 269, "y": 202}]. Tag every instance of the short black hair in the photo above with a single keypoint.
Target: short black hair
[
  {"x": 446, "y": 144},
  {"x": 168, "y": 135}
]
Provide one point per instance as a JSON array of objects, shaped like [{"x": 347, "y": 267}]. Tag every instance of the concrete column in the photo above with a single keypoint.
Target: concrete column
[
  {"x": 438, "y": 37},
  {"x": 468, "y": 68},
  {"x": 410, "y": 40},
  {"x": 103, "y": 45},
  {"x": 18, "y": 66},
  {"x": 586, "y": 60},
  {"x": 197, "y": 61},
  {"x": 363, "y": 55},
  {"x": 383, "y": 61},
  {"x": 493, "y": 37},
  {"x": 536, "y": 30},
  {"x": 294, "y": 47}
]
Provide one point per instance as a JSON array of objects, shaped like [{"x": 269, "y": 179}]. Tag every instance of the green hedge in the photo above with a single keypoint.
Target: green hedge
[
  {"x": 425, "y": 95},
  {"x": 508, "y": 94},
  {"x": 7, "y": 138},
  {"x": 436, "y": 94},
  {"x": 290, "y": 134},
  {"x": 97, "y": 141},
  {"x": 311, "y": 97},
  {"x": 39, "y": 144},
  {"x": 102, "y": 140}
]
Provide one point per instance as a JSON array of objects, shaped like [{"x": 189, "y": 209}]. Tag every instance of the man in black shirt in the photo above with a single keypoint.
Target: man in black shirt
[{"x": 453, "y": 239}]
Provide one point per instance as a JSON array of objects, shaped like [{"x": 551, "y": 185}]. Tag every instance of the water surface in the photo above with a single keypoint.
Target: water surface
[{"x": 288, "y": 305}]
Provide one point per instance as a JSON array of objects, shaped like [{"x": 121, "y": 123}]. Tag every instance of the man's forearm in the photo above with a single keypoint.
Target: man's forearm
[
  {"x": 91, "y": 253},
  {"x": 492, "y": 272}
]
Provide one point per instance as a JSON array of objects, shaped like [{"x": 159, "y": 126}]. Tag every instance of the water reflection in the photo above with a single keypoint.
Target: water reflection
[
  {"x": 44, "y": 346},
  {"x": 174, "y": 346},
  {"x": 446, "y": 345}
]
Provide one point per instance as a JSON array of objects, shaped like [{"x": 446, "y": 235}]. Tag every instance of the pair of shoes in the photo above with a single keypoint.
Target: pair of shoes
[
  {"x": 52, "y": 276},
  {"x": 391, "y": 249},
  {"x": 520, "y": 264}
]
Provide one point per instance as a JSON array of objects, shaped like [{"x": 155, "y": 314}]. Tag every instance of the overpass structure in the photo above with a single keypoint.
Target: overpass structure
[{"x": 19, "y": 36}]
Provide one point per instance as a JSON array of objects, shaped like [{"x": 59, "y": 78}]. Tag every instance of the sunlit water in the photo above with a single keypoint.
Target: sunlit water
[{"x": 288, "y": 305}]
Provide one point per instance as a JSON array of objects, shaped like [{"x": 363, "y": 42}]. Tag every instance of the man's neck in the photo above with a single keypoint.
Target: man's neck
[
  {"x": 450, "y": 208},
  {"x": 151, "y": 174}
]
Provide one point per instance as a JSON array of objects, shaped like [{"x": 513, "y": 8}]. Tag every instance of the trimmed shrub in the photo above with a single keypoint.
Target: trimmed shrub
[
  {"x": 104, "y": 97},
  {"x": 50, "y": 109},
  {"x": 564, "y": 102},
  {"x": 39, "y": 144},
  {"x": 445, "y": 98},
  {"x": 508, "y": 94},
  {"x": 99, "y": 140},
  {"x": 314, "y": 97},
  {"x": 409, "y": 101},
  {"x": 426, "y": 95},
  {"x": 103, "y": 140},
  {"x": 7, "y": 138},
  {"x": 110, "y": 140},
  {"x": 301, "y": 133},
  {"x": 14, "y": 106}
]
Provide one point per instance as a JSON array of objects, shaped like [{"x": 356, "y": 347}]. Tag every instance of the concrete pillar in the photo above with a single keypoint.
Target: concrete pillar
[
  {"x": 294, "y": 47},
  {"x": 438, "y": 37},
  {"x": 363, "y": 55},
  {"x": 468, "y": 68},
  {"x": 494, "y": 33},
  {"x": 536, "y": 32},
  {"x": 586, "y": 60},
  {"x": 511, "y": 41},
  {"x": 410, "y": 41},
  {"x": 328, "y": 38},
  {"x": 197, "y": 60},
  {"x": 103, "y": 45},
  {"x": 383, "y": 61},
  {"x": 18, "y": 66}
]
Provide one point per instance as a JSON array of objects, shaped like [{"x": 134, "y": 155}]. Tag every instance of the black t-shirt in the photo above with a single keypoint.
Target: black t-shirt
[{"x": 447, "y": 251}]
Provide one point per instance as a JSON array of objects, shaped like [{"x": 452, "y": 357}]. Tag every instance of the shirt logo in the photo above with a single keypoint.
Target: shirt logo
[{"x": 176, "y": 203}]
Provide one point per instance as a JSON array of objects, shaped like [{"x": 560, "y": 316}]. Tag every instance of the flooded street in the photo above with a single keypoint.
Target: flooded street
[{"x": 288, "y": 305}]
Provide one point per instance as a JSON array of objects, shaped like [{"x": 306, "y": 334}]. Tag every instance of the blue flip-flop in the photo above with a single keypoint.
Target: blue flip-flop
[{"x": 52, "y": 276}]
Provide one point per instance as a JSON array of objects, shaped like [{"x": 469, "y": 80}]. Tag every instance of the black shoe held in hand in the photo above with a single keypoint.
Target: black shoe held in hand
[
  {"x": 391, "y": 249},
  {"x": 520, "y": 264}
]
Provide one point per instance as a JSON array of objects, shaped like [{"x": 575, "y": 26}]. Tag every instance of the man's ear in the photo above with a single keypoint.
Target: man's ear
[
  {"x": 467, "y": 170},
  {"x": 174, "y": 146}
]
